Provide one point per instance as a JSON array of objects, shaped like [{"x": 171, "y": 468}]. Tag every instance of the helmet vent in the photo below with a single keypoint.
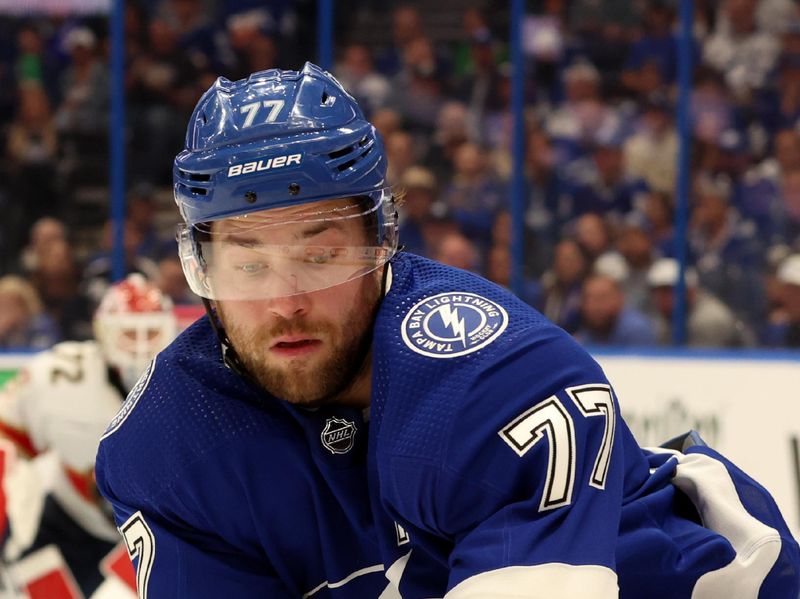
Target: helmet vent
[
  {"x": 326, "y": 99},
  {"x": 198, "y": 190},
  {"x": 350, "y": 155},
  {"x": 345, "y": 165},
  {"x": 340, "y": 152},
  {"x": 194, "y": 176}
]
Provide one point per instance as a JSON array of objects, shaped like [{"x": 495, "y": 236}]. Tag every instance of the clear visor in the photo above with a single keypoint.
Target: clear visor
[{"x": 286, "y": 251}]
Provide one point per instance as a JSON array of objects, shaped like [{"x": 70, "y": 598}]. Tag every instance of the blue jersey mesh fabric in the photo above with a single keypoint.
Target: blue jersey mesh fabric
[
  {"x": 190, "y": 384},
  {"x": 416, "y": 428}
]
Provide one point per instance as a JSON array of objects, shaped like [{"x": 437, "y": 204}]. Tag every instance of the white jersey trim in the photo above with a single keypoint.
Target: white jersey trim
[
  {"x": 395, "y": 574},
  {"x": 709, "y": 486},
  {"x": 345, "y": 580},
  {"x": 544, "y": 581}
]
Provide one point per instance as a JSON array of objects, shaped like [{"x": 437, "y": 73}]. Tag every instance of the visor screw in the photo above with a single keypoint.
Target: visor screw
[
  {"x": 250, "y": 196},
  {"x": 294, "y": 189}
]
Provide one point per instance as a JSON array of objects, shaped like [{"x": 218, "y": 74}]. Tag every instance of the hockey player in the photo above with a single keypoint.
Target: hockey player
[
  {"x": 355, "y": 422},
  {"x": 62, "y": 542}
]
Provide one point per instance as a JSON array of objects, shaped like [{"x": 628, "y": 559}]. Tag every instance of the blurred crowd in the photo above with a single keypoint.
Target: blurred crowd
[{"x": 600, "y": 163}]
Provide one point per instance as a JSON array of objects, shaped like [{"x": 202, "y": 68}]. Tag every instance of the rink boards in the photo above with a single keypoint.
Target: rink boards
[{"x": 745, "y": 404}]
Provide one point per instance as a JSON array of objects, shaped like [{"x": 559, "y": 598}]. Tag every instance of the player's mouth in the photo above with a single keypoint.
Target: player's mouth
[{"x": 294, "y": 347}]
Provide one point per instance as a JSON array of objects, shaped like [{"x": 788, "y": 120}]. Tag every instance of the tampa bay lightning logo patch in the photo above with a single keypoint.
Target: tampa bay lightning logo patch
[{"x": 452, "y": 324}]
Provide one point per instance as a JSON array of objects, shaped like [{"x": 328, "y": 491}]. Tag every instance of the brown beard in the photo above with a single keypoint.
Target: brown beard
[{"x": 347, "y": 347}]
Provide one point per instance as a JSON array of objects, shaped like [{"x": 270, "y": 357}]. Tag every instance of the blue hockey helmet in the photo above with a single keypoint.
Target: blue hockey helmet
[{"x": 274, "y": 140}]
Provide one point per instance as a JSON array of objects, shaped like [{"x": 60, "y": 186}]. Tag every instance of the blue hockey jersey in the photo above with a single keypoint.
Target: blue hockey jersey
[
  {"x": 497, "y": 448},
  {"x": 493, "y": 463},
  {"x": 222, "y": 491}
]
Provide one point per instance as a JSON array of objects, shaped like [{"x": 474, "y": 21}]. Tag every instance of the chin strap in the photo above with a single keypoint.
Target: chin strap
[{"x": 229, "y": 356}]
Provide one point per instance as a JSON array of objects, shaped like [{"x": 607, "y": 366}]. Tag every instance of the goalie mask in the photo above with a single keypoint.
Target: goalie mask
[
  {"x": 132, "y": 324},
  {"x": 277, "y": 169}
]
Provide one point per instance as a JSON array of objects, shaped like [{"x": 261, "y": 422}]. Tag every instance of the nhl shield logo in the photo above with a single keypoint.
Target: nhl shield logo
[{"x": 338, "y": 435}]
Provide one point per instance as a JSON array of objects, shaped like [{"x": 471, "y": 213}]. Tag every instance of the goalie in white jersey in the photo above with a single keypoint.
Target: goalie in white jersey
[{"x": 60, "y": 540}]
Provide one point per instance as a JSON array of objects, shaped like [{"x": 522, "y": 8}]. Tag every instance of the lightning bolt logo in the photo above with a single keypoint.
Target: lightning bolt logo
[
  {"x": 450, "y": 319},
  {"x": 435, "y": 324}
]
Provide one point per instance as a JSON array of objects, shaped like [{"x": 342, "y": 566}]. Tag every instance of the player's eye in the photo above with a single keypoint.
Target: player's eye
[
  {"x": 321, "y": 259},
  {"x": 251, "y": 268},
  {"x": 317, "y": 255}
]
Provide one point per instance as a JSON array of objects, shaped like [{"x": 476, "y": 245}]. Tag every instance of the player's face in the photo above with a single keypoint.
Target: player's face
[{"x": 304, "y": 348}]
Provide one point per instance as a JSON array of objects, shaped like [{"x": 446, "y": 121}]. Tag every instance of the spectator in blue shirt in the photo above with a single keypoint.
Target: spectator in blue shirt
[
  {"x": 475, "y": 196},
  {"x": 600, "y": 183},
  {"x": 727, "y": 252},
  {"x": 778, "y": 104},
  {"x": 562, "y": 285},
  {"x": 658, "y": 47},
  {"x": 605, "y": 320},
  {"x": 762, "y": 195},
  {"x": 713, "y": 110},
  {"x": 657, "y": 216}
]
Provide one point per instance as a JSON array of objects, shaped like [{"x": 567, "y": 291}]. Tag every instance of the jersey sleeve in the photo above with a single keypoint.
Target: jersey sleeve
[
  {"x": 173, "y": 563},
  {"x": 181, "y": 548},
  {"x": 529, "y": 489}
]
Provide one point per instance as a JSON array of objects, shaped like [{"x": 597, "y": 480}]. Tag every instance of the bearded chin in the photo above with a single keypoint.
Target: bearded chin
[
  {"x": 328, "y": 379},
  {"x": 296, "y": 383}
]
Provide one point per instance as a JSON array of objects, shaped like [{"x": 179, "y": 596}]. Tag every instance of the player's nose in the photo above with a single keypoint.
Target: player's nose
[{"x": 289, "y": 306}]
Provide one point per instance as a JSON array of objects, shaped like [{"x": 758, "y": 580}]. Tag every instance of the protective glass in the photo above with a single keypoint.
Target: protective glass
[{"x": 286, "y": 251}]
